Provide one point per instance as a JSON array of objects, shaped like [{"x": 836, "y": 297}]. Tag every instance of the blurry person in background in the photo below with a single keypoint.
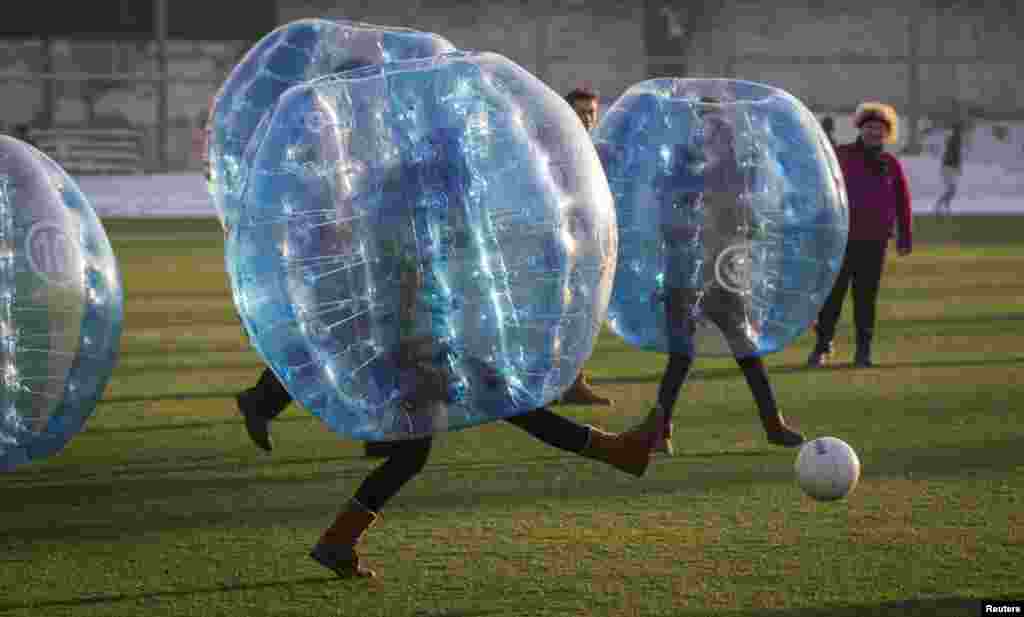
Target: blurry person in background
[
  {"x": 201, "y": 140},
  {"x": 952, "y": 168},
  {"x": 585, "y": 103},
  {"x": 828, "y": 124},
  {"x": 879, "y": 197},
  {"x": 24, "y": 133}
]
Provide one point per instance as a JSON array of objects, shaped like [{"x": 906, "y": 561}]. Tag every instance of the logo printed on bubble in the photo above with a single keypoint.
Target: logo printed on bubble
[
  {"x": 50, "y": 253},
  {"x": 315, "y": 121},
  {"x": 733, "y": 268}
]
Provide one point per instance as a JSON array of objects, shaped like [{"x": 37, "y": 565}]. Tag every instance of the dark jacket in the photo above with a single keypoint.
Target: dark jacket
[{"x": 878, "y": 194}]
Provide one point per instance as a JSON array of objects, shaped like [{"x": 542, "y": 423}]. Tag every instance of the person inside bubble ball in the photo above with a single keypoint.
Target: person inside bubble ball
[
  {"x": 260, "y": 404},
  {"x": 413, "y": 255},
  {"x": 703, "y": 217},
  {"x": 267, "y": 398}
]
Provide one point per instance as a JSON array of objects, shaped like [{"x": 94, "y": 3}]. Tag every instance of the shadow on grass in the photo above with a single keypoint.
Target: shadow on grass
[
  {"x": 967, "y": 459},
  {"x": 734, "y": 372},
  {"x": 951, "y": 606},
  {"x": 115, "y": 507},
  {"x": 156, "y": 367},
  {"x": 940, "y": 324},
  {"x": 175, "y": 396},
  {"x": 933, "y": 607},
  {"x": 111, "y": 598},
  {"x": 190, "y": 425},
  {"x": 153, "y": 598}
]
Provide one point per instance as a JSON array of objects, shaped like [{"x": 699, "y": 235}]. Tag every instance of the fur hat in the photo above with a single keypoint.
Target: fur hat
[{"x": 878, "y": 111}]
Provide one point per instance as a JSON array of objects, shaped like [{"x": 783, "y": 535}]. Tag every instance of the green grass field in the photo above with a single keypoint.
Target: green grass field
[{"x": 162, "y": 507}]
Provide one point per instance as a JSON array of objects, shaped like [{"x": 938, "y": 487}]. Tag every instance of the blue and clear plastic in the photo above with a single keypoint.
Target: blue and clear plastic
[
  {"x": 423, "y": 246},
  {"x": 61, "y": 306},
  {"x": 732, "y": 216},
  {"x": 292, "y": 54}
]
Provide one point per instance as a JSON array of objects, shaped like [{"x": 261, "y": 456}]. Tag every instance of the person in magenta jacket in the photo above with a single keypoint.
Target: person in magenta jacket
[{"x": 879, "y": 199}]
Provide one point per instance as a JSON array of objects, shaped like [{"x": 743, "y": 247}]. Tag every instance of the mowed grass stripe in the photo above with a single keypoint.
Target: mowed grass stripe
[{"x": 163, "y": 507}]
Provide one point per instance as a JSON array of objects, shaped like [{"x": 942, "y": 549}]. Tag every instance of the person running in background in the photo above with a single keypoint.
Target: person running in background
[
  {"x": 24, "y": 133},
  {"x": 828, "y": 124},
  {"x": 952, "y": 169},
  {"x": 586, "y": 104}
]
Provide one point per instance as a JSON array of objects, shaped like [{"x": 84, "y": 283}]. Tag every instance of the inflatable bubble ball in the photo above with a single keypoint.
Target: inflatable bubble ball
[
  {"x": 293, "y": 53},
  {"x": 732, "y": 216},
  {"x": 424, "y": 245},
  {"x": 61, "y": 306}
]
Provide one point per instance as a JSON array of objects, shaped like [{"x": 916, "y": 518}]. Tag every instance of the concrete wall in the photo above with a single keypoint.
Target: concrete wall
[
  {"x": 196, "y": 68},
  {"x": 964, "y": 53},
  {"x": 936, "y": 56},
  {"x": 565, "y": 43}
]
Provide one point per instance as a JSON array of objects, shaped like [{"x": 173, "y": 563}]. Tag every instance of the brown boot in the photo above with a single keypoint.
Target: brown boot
[
  {"x": 661, "y": 427},
  {"x": 629, "y": 452},
  {"x": 580, "y": 393},
  {"x": 336, "y": 549},
  {"x": 778, "y": 433}
]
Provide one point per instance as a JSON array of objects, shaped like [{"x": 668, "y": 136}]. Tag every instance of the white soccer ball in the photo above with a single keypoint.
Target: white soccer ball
[{"x": 827, "y": 468}]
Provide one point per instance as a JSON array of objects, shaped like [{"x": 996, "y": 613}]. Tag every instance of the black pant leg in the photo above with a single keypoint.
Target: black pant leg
[
  {"x": 270, "y": 395},
  {"x": 867, "y": 279},
  {"x": 756, "y": 375},
  {"x": 553, "y": 429},
  {"x": 672, "y": 381},
  {"x": 406, "y": 459},
  {"x": 828, "y": 317},
  {"x": 729, "y": 312},
  {"x": 679, "y": 319}
]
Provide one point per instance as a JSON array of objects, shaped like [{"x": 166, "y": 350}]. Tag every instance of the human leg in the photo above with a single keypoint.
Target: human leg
[
  {"x": 728, "y": 311},
  {"x": 954, "y": 181},
  {"x": 336, "y": 549},
  {"x": 629, "y": 452},
  {"x": 263, "y": 402},
  {"x": 582, "y": 393},
  {"x": 659, "y": 419},
  {"x": 828, "y": 317},
  {"x": 676, "y": 372},
  {"x": 867, "y": 278},
  {"x": 681, "y": 328},
  {"x": 950, "y": 176},
  {"x": 260, "y": 404},
  {"x": 377, "y": 449},
  {"x": 774, "y": 424}
]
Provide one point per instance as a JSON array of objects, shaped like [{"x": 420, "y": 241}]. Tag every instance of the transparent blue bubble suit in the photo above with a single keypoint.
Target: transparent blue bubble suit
[
  {"x": 732, "y": 216},
  {"x": 61, "y": 306},
  {"x": 424, "y": 246},
  {"x": 292, "y": 54}
]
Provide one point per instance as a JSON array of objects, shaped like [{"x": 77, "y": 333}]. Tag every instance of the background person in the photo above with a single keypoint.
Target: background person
[
  {"x": 879, "y": 198},
  {"x": 586, "y": 104},
  {"x": 952, "y": 169}
]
